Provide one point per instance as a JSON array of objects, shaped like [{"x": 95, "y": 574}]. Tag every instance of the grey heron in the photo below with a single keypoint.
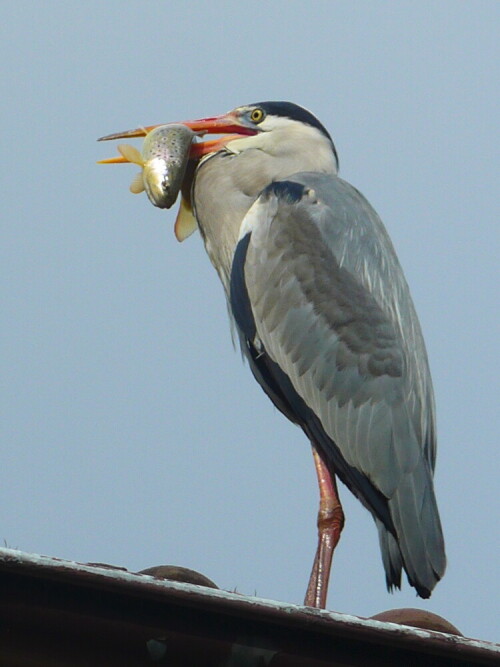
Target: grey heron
[{"x": 326, "y": 321}]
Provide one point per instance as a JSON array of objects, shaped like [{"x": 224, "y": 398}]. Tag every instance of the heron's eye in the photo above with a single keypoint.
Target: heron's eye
[{"x": 256, "y": 115}]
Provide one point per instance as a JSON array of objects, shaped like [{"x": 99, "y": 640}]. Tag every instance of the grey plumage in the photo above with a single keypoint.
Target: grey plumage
[
  {"x": 325, "y": 318},
  {"x": 333, "y": 310}
]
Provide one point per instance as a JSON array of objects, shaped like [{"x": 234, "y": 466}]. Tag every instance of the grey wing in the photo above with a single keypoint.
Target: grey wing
[{"x": 333, "y": 338}]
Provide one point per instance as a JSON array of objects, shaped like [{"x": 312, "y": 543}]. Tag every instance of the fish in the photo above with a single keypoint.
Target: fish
[
  {"x": 167, "y": 162},
  {"x": 163, "y": 158}
]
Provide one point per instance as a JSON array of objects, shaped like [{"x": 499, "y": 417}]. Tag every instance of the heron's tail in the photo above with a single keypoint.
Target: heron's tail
[
  {"x": 391, "y": 557},
  {"x": 418, "y": 545}
]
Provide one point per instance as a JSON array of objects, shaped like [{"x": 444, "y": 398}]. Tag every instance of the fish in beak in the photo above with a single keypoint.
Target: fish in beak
[
  {"x": 163, "y": 169},
  {"x": 227, "y": 124}
]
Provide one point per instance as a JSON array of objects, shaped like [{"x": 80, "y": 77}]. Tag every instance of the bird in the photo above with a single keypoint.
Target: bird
[{"x": 325, "y": 319}]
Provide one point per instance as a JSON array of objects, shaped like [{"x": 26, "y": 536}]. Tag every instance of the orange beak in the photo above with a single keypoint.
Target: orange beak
[{"x": 227, "y": 124}]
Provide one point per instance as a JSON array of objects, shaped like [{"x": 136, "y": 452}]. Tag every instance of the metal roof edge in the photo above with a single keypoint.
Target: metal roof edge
[{"x": 279, "y": 613}]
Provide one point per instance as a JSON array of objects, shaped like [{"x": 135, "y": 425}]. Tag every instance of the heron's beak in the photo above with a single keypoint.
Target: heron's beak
[{"x": 227, "y": 124}]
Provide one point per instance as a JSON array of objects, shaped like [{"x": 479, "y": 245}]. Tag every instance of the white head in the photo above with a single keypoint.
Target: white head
[{"x": 284, "y": 131}]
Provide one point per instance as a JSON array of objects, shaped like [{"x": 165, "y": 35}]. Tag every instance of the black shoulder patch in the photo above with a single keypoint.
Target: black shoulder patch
[
  {"x": 238, "y": 293},
  {"x": 287, "y": 191}
]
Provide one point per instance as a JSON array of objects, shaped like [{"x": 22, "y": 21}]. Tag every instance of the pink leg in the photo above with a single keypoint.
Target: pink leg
[{"x": 330, "y": 524}]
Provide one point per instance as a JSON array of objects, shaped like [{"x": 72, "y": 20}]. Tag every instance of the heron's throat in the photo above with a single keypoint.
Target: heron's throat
[
  {"x": 227, "y": 183},
  {"x": 292, "y": 148}
]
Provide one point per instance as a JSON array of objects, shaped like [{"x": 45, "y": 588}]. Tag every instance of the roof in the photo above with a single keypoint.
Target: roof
[{"x": 56, "y": 612}]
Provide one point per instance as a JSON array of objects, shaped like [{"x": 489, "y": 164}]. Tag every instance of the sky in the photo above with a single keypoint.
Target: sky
[{"x": 131, "y": 432}]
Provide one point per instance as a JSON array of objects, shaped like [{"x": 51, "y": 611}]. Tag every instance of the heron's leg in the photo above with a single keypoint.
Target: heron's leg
[{"x": 330, "y": 524}]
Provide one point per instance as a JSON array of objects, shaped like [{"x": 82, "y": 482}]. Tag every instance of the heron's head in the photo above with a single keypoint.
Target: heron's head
[
  {"x": 281, "y": 129},
  {"x": 279, "y": 139}
]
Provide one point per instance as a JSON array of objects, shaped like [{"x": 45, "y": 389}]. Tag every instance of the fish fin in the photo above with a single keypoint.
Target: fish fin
[
  {"x": 137, "y": 185},
  {"x": 131, "y": 154},
  {"x": 185, "y": 223}
]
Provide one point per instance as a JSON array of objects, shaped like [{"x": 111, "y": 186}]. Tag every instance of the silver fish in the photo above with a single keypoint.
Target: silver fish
[{"x": 163, "y": 158}]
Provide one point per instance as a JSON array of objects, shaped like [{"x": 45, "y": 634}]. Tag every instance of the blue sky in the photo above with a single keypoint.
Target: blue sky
[{"x": 131, "y": 432}]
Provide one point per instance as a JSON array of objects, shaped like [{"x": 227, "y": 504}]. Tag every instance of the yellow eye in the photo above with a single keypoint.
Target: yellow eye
[{"x": 257, "y": 115}]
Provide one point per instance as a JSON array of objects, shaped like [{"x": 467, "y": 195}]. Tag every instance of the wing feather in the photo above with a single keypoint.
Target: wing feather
[{"x": 332, "y": 310}]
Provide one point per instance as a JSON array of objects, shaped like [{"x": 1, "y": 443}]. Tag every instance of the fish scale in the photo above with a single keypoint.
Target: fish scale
[{"x": 163, "y": 158}]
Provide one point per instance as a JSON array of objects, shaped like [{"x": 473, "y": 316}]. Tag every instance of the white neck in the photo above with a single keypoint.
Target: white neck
[
  {"x": 228, "y": 183},
  {"x": 301, "y": 147}
]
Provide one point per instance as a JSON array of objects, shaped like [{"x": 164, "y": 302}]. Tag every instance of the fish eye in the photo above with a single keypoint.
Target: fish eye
[{"x": 257, "y": 115}]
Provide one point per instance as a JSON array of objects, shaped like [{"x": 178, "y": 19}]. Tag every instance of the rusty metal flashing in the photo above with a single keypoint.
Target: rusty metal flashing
[{"x": 56, "y": 612}]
